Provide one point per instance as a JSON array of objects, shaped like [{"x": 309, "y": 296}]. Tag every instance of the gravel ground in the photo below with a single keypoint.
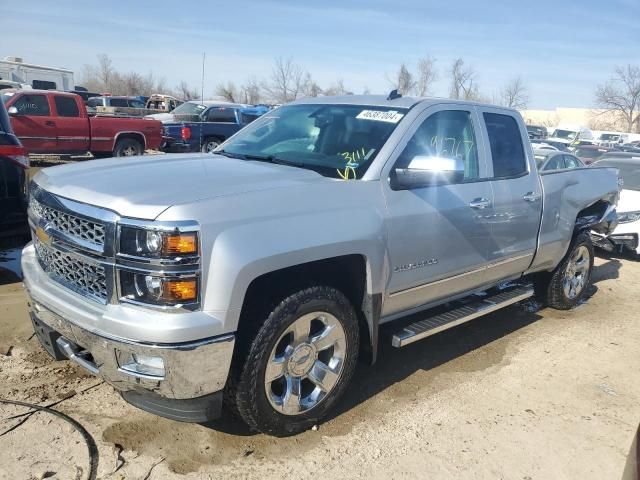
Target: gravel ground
[{"x": 520, "y": 394}]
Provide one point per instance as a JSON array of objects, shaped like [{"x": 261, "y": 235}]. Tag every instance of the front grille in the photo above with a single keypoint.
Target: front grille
[
  {"x": 87, "y": 230},
  {"x": 84, "y": 277}
]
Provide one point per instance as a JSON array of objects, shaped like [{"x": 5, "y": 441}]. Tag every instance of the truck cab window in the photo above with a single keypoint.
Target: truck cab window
[
  {"x": 119, "y": 102},
  {"x": 221, "y": 115},
  {"x": 507, "y": 151},
  {"x": 445, "y": 134},
  {"x": 37, "y": 105},
  {"x": 66, "y": 106}
]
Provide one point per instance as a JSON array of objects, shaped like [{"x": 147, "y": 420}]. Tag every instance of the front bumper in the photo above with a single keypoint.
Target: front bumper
[{"x": 192, "y": 370}]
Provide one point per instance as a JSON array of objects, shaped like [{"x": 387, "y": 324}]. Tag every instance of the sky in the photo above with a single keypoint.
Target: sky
[{"x": 562, "y": 49}]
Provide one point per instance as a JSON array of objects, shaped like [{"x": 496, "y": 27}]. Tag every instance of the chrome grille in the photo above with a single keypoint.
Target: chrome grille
[
  {"x": 84, "y": 277},
  {"x": 87, "y": 230}
]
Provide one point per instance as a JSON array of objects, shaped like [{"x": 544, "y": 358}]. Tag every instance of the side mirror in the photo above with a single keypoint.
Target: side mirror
[
  {"x": 12, "y": 111},
  {"x": 424, "y": 171}
]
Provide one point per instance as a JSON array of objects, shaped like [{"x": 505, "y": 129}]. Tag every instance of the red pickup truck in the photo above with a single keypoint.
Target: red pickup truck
[{"x": 47, "y": 121}]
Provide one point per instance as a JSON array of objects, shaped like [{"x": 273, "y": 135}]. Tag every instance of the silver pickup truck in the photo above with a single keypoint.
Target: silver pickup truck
[{"x": 260, "y": 275}]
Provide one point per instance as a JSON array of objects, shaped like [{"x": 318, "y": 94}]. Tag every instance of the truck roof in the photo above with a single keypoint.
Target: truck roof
[
  {"x": 382, "y": 101},
  {"x": 31, "y": 91}
]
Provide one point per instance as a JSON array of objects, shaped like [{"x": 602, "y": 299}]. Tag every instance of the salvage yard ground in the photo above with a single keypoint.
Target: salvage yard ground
[{"x": 520, "y": 394}]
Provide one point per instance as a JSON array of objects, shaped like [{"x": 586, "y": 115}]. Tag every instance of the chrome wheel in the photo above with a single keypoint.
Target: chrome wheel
[
  {"x": 577, "y": 272},
  {"x": 306, "y": 363},
  {"x": 210, "y": 146},
  {"x": 129, "y": 151}
]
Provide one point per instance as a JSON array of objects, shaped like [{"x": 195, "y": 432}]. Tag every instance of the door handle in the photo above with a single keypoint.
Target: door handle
[
  {"x": 531, "y": 197},
  {"x": 50, "y": 123},
  {"x": 480, "y": 203}
]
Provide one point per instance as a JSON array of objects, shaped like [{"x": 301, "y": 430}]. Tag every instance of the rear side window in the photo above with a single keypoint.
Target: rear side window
[
  {"x": 119, "y": 102},
  {"x": 136, "y": 104},
  {"x": 571, "y": 162},
  {"x": 556, "y": 163},
  {"x": 36, "y": 105},
  {"x": 221, "y": 115},
  {"x": 507, "y": 151},
  {"x": 66, "y": 107}
]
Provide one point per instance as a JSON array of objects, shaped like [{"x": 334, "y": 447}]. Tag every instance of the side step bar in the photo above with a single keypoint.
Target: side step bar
[{"x": 470, "y": 310}]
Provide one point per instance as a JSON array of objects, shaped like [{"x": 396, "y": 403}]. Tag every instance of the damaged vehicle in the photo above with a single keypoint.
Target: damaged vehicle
[
  {"x": 261, "y": 274},
  {"x": 624, "y": 238}
]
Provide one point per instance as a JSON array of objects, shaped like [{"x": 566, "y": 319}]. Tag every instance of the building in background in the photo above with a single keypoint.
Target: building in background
[{"x": 41, "y": 77}]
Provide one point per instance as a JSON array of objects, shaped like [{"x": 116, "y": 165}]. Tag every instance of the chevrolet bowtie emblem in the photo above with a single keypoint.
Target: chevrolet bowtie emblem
[{"x": 43, "y": 236}]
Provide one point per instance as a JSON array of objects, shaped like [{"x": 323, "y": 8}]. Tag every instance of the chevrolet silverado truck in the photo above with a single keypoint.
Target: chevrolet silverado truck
[
  {"x": 210, "y": 125},
  {"x": 46, "y": 121},
  {"x": 256, "y": 277}
]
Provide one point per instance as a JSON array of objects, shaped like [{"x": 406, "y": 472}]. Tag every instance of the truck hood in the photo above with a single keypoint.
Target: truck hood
[
  {"x": 143, "y": 187},
  {"x": 629, "y": 201}
]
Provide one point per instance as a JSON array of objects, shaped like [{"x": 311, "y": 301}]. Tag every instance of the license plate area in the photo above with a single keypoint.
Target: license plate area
[{"x": 47, "y": 337}]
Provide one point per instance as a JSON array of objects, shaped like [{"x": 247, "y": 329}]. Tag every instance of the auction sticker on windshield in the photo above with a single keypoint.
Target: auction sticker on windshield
[{"x": 390, "y": 116}]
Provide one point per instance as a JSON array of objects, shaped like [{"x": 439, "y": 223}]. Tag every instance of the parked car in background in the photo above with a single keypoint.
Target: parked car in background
[
  {"x": 5, "y": 84},
  {"x": 205, "y": 131},
  {"x": 555, "y": 160},
  {"x": 163, "y": 103},
  {"x": 625, "y": 237},
  {"x": 14, "y": 164},
  {"x": 562, "y": 146},
  {"x": 589, "y": 153},
  {"x": 571, "y": 134},
  {"x": 261, "y": 274},
  {"x": 627, "y": 147},
  {"x": 86, "y": 95},
  {"x": 57, "y": 122},
  {"x": 543, "y": 146},
  {"x": 536, "y": 132},
  {"x": 122, "y": 102},
  {"x": 607, "y": 139}
]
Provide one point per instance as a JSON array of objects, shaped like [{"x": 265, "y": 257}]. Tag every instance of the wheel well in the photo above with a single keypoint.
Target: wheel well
[
  {"x": 347, "y": 274},
  {"x": 214, "y": 137},
  {"x": 133, "y": 136},
  {"x": 591, "y": 215}
]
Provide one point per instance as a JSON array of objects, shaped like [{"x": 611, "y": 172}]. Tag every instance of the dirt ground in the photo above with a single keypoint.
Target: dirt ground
[{"x": 521, "y": 394}]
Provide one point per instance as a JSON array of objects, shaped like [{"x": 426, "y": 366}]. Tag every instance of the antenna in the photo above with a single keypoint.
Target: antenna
[
  {"x": 394, "y": 94},
  {"x": 204, "y": 55}
]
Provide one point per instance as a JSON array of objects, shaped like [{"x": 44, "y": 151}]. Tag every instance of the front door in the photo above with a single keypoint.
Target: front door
[
  {"x": 34, "y": 124},
  {"x": 438, "y": 234}
]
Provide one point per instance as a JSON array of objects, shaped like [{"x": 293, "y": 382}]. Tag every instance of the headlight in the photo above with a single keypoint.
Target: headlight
[
  {"x": 141, "y": 242},
  {"x": 157, "y": 290},
  {"x": 628, "y": 217}
]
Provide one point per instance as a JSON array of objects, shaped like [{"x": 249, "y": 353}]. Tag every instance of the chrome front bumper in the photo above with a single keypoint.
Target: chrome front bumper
[{"x": 192, "y": 368}]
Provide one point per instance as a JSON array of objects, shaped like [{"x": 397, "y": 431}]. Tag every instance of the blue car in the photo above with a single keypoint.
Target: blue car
[{"x": 202, "y": 126}]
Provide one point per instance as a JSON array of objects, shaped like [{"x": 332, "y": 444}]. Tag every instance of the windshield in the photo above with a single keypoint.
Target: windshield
[
  {"x": 189, "y": 108},
  {"x": 338, "y": 141},
  {"x": 630, "y": 172},
  {"x": 558, "y": 133}
]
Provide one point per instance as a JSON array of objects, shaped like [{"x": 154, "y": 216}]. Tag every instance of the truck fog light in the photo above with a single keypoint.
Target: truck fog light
[{"x": 147, "y": 365}]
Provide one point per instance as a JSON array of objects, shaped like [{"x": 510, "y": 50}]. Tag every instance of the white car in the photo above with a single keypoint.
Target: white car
[{"x": 625, "y": 236}]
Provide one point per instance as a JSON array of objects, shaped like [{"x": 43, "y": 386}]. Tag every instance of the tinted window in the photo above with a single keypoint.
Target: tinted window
[
  {"x": 136, "y": 104},
  {"x": 32, "y": 105},
  {"x": 66, "y": 107},
  {"x": 507, "y": 151},
  {"x": 44, "y": 85},
  {"x": 119, "y": 102},
  {"x": 94, "y": 102},
  {"x": 222, "y": 115},
  {"x": 445, "y": 134},
  {"x": 555, "y": 163},
  {"x": 571, "y": 162}
]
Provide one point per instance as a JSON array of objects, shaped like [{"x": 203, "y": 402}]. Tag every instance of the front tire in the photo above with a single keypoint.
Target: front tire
[
  {"x": 567, "y": 285},
  {"x": 299, "y": 363}
]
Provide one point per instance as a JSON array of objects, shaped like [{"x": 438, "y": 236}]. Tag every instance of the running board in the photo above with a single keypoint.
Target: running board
[{"x": 473, "y": 309}]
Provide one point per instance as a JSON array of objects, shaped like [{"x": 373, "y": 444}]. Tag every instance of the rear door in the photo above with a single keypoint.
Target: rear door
[
  {"x": 517, "y": 194},
  {"x": 72, "y": 128},
  {"x": 34, "y": 124}
]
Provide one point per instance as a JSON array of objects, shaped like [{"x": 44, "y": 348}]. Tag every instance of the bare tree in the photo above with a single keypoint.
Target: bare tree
[
  {"x": 514, "y": 94},
  {"x": 287, "y": 81},
  {"x": 228, "y": 91},
  {"x": 463, "y": 82},
  {"x": 251, "y": 91},
  {"x": 622, "y": 94},
  {"x": 427, "y": 75},
  {"x": 310, "y": 87},
  {"x": 338, "y": 88},
  {"x": 185, "y": 92},
  {"x": 403, "y": 80}
]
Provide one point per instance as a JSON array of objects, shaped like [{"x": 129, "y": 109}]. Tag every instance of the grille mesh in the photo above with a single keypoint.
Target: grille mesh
[
  {"x": 86, "y": 278},
  {"x": 92, "y": 232}
]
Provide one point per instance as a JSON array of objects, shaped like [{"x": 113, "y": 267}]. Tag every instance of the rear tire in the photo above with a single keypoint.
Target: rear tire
[
  {"x": 567, "y": 285},
  {"x": 298, "y": 364},
  {"x": 128, "y": 147},
  {"x": 210, "y": 144}
]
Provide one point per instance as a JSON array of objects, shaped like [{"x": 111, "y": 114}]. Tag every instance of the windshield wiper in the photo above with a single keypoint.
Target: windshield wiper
[
  {"x": 224, "y": 153},
  {"x": 274, "y": 159}
]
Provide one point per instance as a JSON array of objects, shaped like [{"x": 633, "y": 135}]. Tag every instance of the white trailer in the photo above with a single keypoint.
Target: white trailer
[{"x": 14, "y": 69}]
